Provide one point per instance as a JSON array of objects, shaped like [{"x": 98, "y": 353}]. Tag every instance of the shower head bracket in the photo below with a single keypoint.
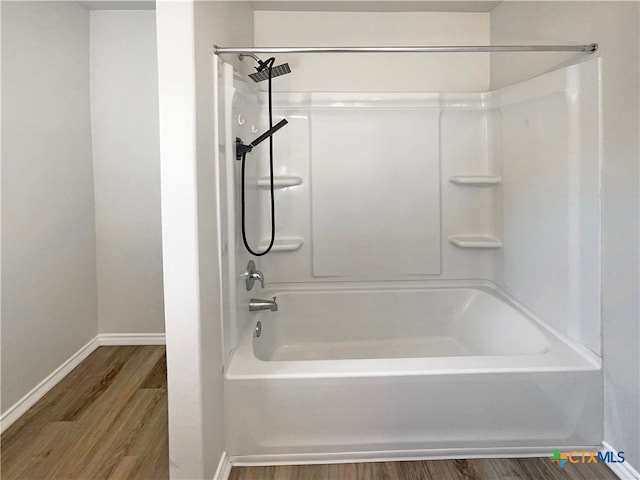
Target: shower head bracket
[{"x": 242, "y": 149}]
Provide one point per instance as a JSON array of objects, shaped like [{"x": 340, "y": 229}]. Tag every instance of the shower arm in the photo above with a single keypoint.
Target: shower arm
[
  {"x": 253, "y": 51},
  {"x": 252, "y": 55},
  {"x": 261, "y": 64}
]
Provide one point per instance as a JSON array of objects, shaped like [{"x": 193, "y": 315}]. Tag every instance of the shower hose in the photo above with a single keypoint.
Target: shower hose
[{"x": 269, "y": 65}]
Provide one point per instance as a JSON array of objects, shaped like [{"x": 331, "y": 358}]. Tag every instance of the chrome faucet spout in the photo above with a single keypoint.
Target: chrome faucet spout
[{"x": 256, "y": 304}]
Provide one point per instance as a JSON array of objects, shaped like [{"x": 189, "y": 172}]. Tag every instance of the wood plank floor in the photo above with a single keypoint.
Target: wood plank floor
[
  {"x": 108, "y": 420},
  {"x": 477, "y": 469}
]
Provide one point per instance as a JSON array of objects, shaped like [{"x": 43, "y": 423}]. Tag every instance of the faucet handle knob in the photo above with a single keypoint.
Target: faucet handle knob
[{"x": 251, "y": 275}]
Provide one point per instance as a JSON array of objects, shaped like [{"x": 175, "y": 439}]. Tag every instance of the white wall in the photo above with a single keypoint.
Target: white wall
[
  {"x": 457, "y": 72},
  {"x": 190, "y": 225},
  {"x": 126, "y": 160},
  {"x": 48, "y": 233},
  {"x": 224, "y": 23},
  {"x": 614, "y": 26}
]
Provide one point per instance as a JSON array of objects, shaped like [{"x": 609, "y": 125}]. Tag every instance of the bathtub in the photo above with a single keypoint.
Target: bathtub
[{"x": 375, "y": 374}]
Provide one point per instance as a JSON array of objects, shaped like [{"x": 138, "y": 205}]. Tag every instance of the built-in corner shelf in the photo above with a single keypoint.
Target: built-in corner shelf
[
  {"x": 475, "y": 180},
  {"x": 282, "y": 245},
  {"x": 279, "y": 181},
  {"x": 475, "y": 241}
]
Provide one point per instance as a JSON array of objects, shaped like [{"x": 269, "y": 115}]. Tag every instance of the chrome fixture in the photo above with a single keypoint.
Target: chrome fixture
[
  {"x": 252, "y": 51},
  {"x": 256, "y": 304},
  {"x": 252, "y": 275},
  {"x": 258, "y": 330}
]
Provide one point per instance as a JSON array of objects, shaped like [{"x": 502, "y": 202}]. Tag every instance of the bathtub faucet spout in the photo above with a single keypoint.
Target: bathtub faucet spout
[{"x": 255, "y": 304}]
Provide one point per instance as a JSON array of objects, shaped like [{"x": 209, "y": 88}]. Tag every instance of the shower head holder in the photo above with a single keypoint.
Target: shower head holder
[{"x": 242, "y": 149}]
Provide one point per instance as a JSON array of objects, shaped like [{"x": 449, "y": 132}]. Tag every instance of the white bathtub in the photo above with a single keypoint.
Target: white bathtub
[{"x": 341, "y": 375}]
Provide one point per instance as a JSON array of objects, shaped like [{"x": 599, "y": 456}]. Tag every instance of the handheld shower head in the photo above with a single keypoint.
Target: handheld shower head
[
  {"x": 262, "y": 70},
  {"x": 242, "y": 149}
]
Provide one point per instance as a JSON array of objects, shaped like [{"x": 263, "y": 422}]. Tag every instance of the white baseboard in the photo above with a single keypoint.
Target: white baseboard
[
  {"x": 224, "y": 467},
  {"x": 623, "y": 471},
  {"x": 398, "y": 455},
  {"x": 104, "y": 339},
  {"x": 25, "y": 403},
  {"x": 112, "y": 339}
]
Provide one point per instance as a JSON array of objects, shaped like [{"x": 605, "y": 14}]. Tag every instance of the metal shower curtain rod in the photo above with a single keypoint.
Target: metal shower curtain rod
[{"x": 589, "y": 48}]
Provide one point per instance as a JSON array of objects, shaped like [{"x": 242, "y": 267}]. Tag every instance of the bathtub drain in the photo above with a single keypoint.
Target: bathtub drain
[{"x": 258, "y": 329}]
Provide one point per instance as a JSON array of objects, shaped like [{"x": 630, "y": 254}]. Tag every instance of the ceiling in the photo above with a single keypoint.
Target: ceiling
[
  {"x": 119, "y": 4},
  {"x": 323, "y": 5},
  {"x": 375, "y": 5}
]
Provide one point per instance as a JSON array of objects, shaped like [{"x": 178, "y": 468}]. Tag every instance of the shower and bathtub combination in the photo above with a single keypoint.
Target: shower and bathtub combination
[{"x": 432, "y": 284}]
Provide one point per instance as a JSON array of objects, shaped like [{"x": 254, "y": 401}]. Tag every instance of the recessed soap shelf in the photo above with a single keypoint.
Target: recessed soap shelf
[
  {"x": 475, "y": 180},
  {"x": 282, "y": 245},
  {"x": 475, "y": 241},
  {"x": 280, "y": 181}
]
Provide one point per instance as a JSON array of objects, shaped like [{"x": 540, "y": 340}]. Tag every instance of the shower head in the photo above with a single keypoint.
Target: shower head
[{"x": 262, "y": 72}]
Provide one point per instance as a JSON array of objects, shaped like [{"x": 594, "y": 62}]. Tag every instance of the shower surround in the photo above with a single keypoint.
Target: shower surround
[{"x": 435, "y": 266}]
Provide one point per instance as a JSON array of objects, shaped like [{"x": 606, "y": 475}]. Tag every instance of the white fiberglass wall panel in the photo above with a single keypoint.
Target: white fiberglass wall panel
[
  {"x": 535, "y": 207},
  {"x": 454, "y": 127},
  {"x": 551, "y": 198},
  {"x": 468, "y": 209},
  {"x": 376, "y": 192}
]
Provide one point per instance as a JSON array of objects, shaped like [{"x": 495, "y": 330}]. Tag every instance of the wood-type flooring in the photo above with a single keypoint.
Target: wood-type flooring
[{"x": 107, "y": 419}]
